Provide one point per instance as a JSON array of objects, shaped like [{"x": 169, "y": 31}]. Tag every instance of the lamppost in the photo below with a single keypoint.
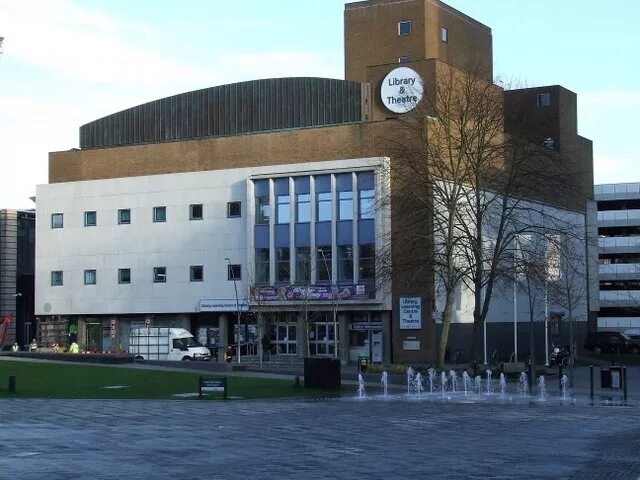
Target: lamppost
[
  {"x": 235, "y": 287},
  {"x": 334, "y": 299}
]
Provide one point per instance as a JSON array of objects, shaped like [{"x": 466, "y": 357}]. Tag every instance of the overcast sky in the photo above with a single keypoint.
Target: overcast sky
[{"x": 66, "y": 63}]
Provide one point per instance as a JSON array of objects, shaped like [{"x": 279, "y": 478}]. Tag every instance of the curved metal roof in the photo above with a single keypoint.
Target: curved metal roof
[{"x": 237, "y": 108}]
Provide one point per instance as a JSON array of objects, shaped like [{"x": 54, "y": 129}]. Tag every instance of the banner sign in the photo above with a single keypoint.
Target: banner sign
[
  {"x": 223, "y": 305},
  {"x": 294, "y": 293},
  {"x": 410, "y": 313},
  {"x": 401, "y": 90},
  {"x": 364, "y": 326}
]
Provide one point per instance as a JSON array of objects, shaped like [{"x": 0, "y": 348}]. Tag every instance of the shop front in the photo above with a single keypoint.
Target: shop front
[{"x": 365, "y": 337}]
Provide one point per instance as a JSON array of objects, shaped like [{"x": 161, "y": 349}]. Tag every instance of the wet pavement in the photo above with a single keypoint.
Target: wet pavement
[{"x": 374, "y": 438}]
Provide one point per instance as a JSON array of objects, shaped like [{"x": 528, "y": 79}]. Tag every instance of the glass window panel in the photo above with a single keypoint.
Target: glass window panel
[
  {"x": 366, "y": 206},
  {"x": 233, "y": 272},
  {"x": 197, "y": 273},
  {"x": 323, "y": 207},
  {"x": 56, "y": 278},
  {"x": 282, "y": 265},
  {"x": 234, "y": 209},
  {"x": 160, "y": 274},
  {"x": 345, "y": 263},
  {"x": 345, "y": 200},
  {"x": 262, "y": 265},
  {"x": 367, "y": 269},
  {"x": 57, "y": 220},
  {"x": 303, "y": 265},
  {"x": 283, "y": 212},
  {"x": 159, "y": 214},
  {"x": 124, "y": 275},
  {"x": 323, "y": 264},
  {"x": 303, "y": 208},
  {"x": 195, "y": 212},
  {"x": 89, "y": 277},
  {"x": 90, "y": 219},
  {"x": 262, "y": 210}
]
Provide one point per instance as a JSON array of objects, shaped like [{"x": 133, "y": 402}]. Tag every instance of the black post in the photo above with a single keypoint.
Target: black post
[
  {"x": 591, "y": 381},
  {"x": 531, "y": 375},
  {"x": 475, "y": 368},
  {"x": 560, "y": 377},
  {"x": 225, "y": 387},
  {"x": 12, "y": 384},
  {"x": 502, "y": 367},
  {"x": 200, "y": 388},
  {"x": 624, "y": 382}
]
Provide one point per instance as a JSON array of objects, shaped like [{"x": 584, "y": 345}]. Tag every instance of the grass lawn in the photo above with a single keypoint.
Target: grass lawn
[{"x": 49, "y": 380}]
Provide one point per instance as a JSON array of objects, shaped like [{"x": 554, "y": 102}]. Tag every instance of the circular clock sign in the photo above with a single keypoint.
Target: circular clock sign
[{"x": 401, "y": 90}]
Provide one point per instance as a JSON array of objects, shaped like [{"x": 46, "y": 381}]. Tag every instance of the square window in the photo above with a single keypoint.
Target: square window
[
  {"x": 234, "y": 209},
  {"x": 124, "y": 216},
  {"x": 195, "y": 211},
  {"x": 197, "y": 273},
  {"x": 159, "y": 274},
  {"x": 90, "y": 219},
  {"x": 233, "y": 272},
  {"x": 159, "y": 214},
  {"x": 444, "y": 34},
  {"x": 543, "y": 99},
  {"x": 124, "y": 275},
  {"x": 405, "y": 59},
  {"x": 56, "y": 278},
  {"x": 404, "y": 28},
  {"x": 57, "y": 220},
  {"x": 89, "y": 277}
]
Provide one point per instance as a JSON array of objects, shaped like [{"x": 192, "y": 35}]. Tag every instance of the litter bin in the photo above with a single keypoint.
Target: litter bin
[
  {"x": 363, "y": 362},
  {"x": 611, "y": 377},
  {"x": 321, "y": 373}
]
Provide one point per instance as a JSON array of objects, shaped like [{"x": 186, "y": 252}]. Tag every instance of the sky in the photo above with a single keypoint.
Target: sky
[{"x": 69, "y": 62}]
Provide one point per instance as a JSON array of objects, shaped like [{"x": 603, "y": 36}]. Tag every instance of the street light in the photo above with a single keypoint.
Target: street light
[
  {"x": 335, "y": 306},
  {"x": 235, "y": 286}
]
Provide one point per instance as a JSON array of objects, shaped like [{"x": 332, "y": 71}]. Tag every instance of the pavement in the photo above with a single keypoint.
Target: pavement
[{"x": 340, "y": 438}]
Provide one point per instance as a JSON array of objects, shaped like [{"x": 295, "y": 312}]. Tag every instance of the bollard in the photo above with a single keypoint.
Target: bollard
[
  {"x": 297, "y": 382},
  {"x": 560, "y": 376},
  {"x": 12, "y": 384},
  {"x": 531, "y": 376},
  {"x": 624, "y": 382},
  {"x": 502, "y": 367},
  {"x": 591, "y": 381},
  {"x": 475, "y": 368}
]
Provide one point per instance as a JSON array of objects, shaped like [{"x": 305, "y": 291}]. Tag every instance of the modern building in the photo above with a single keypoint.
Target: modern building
[
  {"x": 265, "y": 203},
  {"x": 17, "y": 273},
  {"x": 619, "y": 256}
]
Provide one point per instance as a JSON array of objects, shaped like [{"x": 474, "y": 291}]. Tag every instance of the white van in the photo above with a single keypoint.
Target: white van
[{"x": 159, "y": 343}]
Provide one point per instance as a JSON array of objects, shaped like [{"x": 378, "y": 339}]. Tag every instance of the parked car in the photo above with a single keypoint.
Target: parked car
[{"x": 611, "y": 342}]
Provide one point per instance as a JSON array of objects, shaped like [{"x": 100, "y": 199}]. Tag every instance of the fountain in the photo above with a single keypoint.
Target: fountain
[
  {"x": 478, "y": 384},
  {"x": 524, "y": 384},
  {"x": 385, "y": 384},
  {"x": 503, "y": 386},
  {"x": 563, "y": 386},
  {"x": 453, "y": 376},
  {"x": 410, "y": 374},
  {"x": 466, "y": 380},
  {"x": 443, "y": 382},
  {"x": 361, "y": 392},
  {"x": 432, "y": 379},
  {"x": 489, "y": 386},
  {"x": 418, "y": 383},
  {"x": 542, "y": 389}
]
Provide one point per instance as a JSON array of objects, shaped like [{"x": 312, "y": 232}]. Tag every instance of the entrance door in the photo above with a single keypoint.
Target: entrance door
[
  {"x": 322, "y": 339},
  {"x": 93, "y": 341},
  {"x": 376, "y": 347},
  {"x": 286, "y": 339}
]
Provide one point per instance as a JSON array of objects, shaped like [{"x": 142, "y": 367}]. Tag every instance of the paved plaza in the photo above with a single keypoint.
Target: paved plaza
[{"x": 331, "y": 438}]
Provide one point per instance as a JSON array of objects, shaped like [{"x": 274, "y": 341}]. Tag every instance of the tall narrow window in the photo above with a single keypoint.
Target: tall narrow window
[
  {"x": 90, "y": 219},
  {"x": 345, "y": 205},
  {"x": 444, "y": 34},
  {"x": 345, "y": 263},
  {"x": 303, "y": 208},
  {"x": 262, "y": 210},
  {"x": 303, "y": 265},
  {"x": 323, "y": 207},
  {"x": 262, "y": 265},
  {"x": 89, "y": 277},
  {"x": 57, "y": 220},
  {"x": 283, "y": 212},
  {"x": 323, "y": 264},
  {"x": 282, "y": 265}
]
